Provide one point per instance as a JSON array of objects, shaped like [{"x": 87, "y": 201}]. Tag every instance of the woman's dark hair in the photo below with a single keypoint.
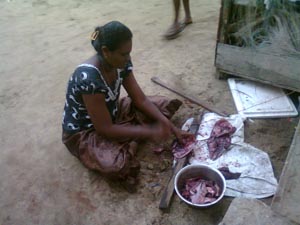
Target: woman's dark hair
[{"x": 111, "y": 35}]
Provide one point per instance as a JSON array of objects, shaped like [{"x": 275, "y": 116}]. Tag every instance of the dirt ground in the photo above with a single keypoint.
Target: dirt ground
[{"x": 42, "y": 41}]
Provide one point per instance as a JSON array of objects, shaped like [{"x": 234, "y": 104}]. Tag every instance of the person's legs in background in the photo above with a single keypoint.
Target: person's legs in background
[
  {"x": 176, "y": 4},
  {"x": 177, "y": 26},
  {"x": 188, "y": 17}
]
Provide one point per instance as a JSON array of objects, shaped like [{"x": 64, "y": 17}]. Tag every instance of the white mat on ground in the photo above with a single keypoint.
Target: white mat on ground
[{"x": 257, "y": 178}]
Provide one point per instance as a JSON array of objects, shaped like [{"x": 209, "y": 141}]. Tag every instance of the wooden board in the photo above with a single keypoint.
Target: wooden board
[
  {"x": 223, "y": 20},
  {"x": 278, "y": 70},
  {"x": 287, "y": 198},
  {"x": 252, "y": 212},
  {"x": 169, "y": 190}
]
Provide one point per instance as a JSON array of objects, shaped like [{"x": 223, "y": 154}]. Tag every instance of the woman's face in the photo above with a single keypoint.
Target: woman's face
[{"x": 120, "y": 57}]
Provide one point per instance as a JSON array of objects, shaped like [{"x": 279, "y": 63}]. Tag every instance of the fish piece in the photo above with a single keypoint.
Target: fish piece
[
  {"x": 227, "y": 174},
  {"x": 200, "y": 191},
  {"x": 199, "y": 196},
  {"x": 180, "y": 150},
  {"x": 211, "y": 191},
  {"x": 220, "y": 138},
  {"x": 158, "y": 149},
  {"x": 209, "y": 200},
  {"x": 217, "y": 189}
]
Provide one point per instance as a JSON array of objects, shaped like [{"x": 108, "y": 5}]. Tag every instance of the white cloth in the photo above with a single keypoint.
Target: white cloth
[{"x": 257, "y": 178}]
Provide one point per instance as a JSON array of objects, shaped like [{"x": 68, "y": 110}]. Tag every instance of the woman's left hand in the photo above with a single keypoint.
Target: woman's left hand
[{"x": 180, "y": 134}]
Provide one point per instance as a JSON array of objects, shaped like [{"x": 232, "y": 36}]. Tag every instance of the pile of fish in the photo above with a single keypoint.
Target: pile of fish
[
  {"x": 180, "y": 150},
  {"x": 200, "y": 191},
  {"x": 220, "y": 138}
]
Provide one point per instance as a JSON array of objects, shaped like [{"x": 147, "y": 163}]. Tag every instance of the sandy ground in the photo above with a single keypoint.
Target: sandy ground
[{"x": 42, "y": 41}]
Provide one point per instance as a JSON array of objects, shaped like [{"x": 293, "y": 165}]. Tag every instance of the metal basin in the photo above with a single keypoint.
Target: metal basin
[{"x": 199, "y": 170}]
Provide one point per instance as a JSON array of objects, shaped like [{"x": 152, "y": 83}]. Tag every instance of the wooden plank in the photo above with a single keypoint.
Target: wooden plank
[
  {"x": 190, "y": 98},
  {"x": 252, "y": 212},
  {"x": 277, "y": 70},
  {"x": 287, "y": 197},
  {"x": 169, "y": 190},
  {"x": 223, "y": 20}
]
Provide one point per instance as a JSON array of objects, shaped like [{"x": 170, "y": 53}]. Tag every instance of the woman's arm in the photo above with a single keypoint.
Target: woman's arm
[
  {"x": 146, "y": 106},
  {"x": 141, "y": 101},
  {"x": 104, "y": 126}
]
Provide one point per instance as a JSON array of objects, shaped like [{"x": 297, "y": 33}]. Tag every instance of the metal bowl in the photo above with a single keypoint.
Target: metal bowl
[{"x": 205, "y": 171}]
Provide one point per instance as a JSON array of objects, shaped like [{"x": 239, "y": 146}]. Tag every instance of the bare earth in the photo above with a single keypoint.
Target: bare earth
[{"x": 42, "y": 41}]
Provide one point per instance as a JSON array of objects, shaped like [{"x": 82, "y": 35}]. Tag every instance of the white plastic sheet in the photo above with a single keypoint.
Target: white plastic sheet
[
  {"x": 256, "y": 100},
  {"x": 257, "y": 178}
]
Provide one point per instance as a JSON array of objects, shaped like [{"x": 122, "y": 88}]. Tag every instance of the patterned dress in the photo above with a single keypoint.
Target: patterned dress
[{"x": 87, "y": 79}]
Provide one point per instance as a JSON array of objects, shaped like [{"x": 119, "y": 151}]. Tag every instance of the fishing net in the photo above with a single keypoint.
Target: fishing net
[{"x": 267, "y": 25}]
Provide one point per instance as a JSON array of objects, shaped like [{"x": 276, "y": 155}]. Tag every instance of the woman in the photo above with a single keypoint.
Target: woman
[{"x": 101, "y": 131}]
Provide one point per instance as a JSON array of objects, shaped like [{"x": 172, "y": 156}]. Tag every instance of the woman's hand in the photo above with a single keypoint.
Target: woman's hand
[
  {"x": 167, "y": 125},
  {"x": 180, "y": 134},
  {"x": 160, "y": 132}
]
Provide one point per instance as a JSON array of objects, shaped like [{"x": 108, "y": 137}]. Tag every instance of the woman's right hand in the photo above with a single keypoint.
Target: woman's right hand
[{"x": 160, "y": 132}]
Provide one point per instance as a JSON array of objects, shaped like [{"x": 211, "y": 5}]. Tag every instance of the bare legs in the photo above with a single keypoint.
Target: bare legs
[
  {"x": 188, "y": 17},
  {"x": 176, "y": 4},
  {"x": 177, "y": 27}
]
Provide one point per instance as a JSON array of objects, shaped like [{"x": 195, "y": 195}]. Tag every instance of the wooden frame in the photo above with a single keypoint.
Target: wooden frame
[{"x": 278, "y": 70}]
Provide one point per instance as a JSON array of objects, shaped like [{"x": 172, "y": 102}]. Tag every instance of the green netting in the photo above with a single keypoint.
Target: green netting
[{"x": 273, "y": 24}]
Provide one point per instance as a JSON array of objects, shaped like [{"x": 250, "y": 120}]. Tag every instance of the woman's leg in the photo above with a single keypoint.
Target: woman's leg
[{"x": 112, "y": 159}]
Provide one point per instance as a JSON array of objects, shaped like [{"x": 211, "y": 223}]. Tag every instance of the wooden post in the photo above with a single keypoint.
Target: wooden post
[{"x": 226, "y": 5}]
